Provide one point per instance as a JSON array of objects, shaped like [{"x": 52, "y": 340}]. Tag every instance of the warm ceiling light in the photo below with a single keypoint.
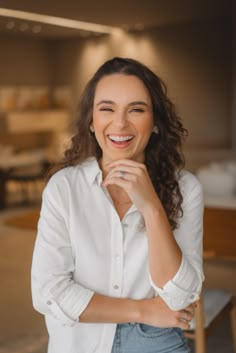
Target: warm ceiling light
[
  {"x": 37, "y": 29},
  {"x": 56, "y": 21},
  {"x": 10, "y": 25},
  {"x": 24, "y": 27}
]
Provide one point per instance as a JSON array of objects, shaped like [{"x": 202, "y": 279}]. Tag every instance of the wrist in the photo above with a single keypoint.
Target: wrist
[
  {"x": 142, "y": 312},
  {"x": 152, "y": 211},
  {"x": 135, "y": 310}
]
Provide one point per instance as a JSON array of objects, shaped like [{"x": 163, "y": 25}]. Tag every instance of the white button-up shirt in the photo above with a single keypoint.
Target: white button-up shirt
[{"x": 83, "y": 247}]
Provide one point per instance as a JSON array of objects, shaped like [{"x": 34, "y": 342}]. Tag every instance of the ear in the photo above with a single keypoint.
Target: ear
[
  {"x": 91, "y": 128},
  {"x": 155, "y": 129}
]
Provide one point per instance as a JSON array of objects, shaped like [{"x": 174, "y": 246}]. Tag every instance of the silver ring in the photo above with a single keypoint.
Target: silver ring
[{"x": 122, "y": 174}]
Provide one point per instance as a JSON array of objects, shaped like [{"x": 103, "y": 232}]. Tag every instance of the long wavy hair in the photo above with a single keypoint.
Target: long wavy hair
[{"x": 163, "y": 155}]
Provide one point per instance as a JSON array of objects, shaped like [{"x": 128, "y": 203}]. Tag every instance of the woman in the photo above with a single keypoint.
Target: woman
[{"x": 117, "y": 264}]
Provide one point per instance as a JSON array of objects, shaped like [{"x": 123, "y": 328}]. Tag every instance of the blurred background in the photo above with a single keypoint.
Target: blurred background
[{"x": 48, "y": 51}]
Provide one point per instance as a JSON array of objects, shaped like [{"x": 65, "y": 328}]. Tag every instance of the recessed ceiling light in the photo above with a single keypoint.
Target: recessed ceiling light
[
  {"x": 56, "y": 21},
  {"x": 10, "y": 25},
  {"x": 23, "y": 27},
  {"x": 36, "y": 29}
]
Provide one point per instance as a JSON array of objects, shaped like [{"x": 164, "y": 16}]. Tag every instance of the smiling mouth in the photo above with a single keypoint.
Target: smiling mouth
[{"x": 120, "y": 139}]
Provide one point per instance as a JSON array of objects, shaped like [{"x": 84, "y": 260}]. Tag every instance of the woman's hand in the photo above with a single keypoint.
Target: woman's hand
[
  {"x": 155, "y": 312},
  {"x": 134, "y": 179}
]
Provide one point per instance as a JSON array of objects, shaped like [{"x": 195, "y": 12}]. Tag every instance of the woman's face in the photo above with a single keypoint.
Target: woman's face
[{"x": 122, "y": 117}]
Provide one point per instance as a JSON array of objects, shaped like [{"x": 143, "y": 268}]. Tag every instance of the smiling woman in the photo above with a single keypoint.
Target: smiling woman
[
  {"x": 118, "y": 255},
  {"x": 122, "y": 117}
]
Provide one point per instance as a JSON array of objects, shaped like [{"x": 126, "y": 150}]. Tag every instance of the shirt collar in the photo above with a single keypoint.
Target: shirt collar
[{"x": 93, "y": 171}]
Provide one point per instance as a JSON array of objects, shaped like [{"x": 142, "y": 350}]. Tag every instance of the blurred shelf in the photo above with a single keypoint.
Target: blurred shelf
[{"x": 34, "y": 121}]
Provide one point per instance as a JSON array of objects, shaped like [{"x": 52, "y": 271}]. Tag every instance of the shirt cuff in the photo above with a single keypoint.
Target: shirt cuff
[
  {"x": 68, "y": 307},
  {"x": 183, "y": 289}
]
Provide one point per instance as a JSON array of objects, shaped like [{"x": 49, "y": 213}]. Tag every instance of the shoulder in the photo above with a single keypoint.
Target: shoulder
[
  {"x": 71, "y": 174},
  {"x": 63, "y": 176},
  {"x": 190, "y": 185},
  {"x": 69, "y": 179}
]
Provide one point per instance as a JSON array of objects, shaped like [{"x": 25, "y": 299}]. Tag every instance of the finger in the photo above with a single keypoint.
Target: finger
[
  {"x": 126, "y": 162},
  {"x": 184, "y": 325},
  {"x": 186, "y": 315},
  {"x": 123, "y": 174},
  {"x": 191, "y": 308},
  {"x": 126, "y": 168},
  {"x": 128, "y": 173},
  {"x": 116, "y": 181},
  {"x": 118, "y": 171}
]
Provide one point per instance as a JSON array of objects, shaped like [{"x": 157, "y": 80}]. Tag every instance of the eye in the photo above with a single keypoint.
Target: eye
[
  {"x": 137, "y": 110},
  {"x": 106, "y": 109}
]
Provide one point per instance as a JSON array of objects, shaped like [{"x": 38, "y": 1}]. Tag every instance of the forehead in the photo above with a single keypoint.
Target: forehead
[{"x": 117, "y": 87}]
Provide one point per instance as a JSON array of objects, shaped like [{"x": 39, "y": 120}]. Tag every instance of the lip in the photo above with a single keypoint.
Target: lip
[{"x": 120, "y": 144}]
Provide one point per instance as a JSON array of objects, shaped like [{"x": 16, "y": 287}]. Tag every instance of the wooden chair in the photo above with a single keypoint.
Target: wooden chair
[
  {"x": 215, "y": 304},
  {"x": 212, "y": 307}
]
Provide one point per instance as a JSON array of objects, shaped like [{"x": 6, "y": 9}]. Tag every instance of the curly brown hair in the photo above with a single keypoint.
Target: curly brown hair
[{"x": 163, "y": 155}]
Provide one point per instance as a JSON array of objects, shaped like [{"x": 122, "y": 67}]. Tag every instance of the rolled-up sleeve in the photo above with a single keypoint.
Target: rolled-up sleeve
[
  {"x": 54, "y": 291},
  {"x": 185, "y": 287}
]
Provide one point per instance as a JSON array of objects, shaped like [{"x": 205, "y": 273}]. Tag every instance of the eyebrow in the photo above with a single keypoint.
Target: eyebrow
[
  {"x": 105, "y": 101},
  {"x": 130, "y": 104}
]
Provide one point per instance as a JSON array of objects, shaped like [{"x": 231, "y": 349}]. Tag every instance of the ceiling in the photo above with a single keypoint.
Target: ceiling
[{"x": 128, "y": 14}]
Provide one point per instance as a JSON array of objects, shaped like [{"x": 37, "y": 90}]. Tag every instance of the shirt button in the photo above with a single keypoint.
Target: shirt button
[
  {"x": 116, "y": 286},
  {"x": 125, "y": 225},
  {"x": 117, "y": 258},
  {"x": 49, "y": 302}
]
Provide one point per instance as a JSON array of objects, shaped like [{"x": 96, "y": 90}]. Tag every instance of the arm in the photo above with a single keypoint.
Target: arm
[
  {"x": 165, "y": 256},
  {"x": 182, "y": 279},
  {"x": 153, "y": 312},
  {"x": 175, "y": 259},
  {"x": 54, "y": 291}
]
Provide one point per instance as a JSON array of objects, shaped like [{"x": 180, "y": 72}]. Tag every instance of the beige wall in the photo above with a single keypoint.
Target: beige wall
[
  {"x": 195, "y": 60},
  {"x": 24, "y": 61}
]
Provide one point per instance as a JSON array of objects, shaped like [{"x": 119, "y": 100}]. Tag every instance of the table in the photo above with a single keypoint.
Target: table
[
  {"x": 8, "y": 170},
  {"x": 220, "y": 231}
]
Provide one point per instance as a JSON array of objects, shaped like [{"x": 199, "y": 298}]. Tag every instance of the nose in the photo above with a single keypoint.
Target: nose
[{"x": 120, "y": 119}]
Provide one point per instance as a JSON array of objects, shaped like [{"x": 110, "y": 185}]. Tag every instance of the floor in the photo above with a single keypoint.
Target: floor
[{"x": 22, "y": 330}]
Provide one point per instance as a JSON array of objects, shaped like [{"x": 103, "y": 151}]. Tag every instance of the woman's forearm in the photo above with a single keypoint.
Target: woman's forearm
[
  {"x": 153, "y": 311},
  {"x": 113, "y": 310},
  {"x": 164, "y": 253}
]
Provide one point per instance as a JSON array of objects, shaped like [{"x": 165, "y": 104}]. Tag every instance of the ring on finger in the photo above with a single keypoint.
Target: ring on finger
[
  {"x": 122, "y": 174},
  {"x": 186, "y": 318}
]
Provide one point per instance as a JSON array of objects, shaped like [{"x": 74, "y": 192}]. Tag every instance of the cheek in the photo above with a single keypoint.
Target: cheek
[
  {"x": 99, "y": 122},
  {"x": 145, "y": 126}
]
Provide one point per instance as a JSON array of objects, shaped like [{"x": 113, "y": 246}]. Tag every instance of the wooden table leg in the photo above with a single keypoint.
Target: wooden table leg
[{"x": 3, "y": 190}]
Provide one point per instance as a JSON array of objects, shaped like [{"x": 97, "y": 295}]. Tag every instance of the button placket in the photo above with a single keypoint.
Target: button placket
[
  {"x": 118, "y": 273},
  {"x": 117, "y": 257}
]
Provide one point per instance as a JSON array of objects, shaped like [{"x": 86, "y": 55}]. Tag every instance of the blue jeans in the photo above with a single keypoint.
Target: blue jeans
[{"x": 141, "y": 338}]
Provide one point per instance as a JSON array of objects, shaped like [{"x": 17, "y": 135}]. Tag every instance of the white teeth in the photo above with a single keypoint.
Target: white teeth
[{"x": 120, "y": 138}]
